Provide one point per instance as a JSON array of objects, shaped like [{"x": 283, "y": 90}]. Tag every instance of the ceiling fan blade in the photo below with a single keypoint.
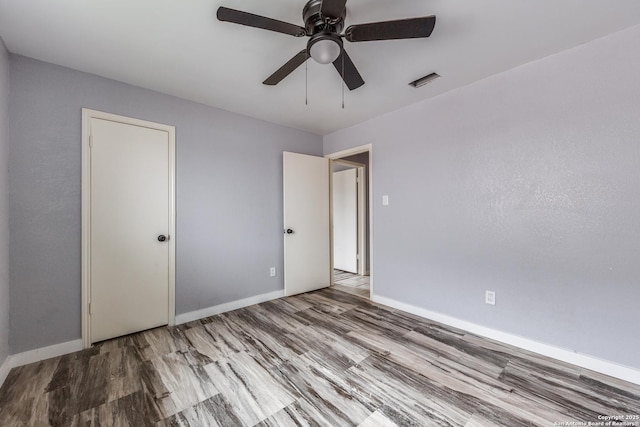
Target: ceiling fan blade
[
  {"x": 388, "y": 30},
  {"x": 333, "y": 8},
  {"x": 287, "y": 68},
  {"x": 257, "y": 21},
  {"x": 351, "y": 77}
]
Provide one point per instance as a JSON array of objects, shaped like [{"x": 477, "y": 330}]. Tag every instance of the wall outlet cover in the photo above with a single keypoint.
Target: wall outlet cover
[{"x": 490, "y": 297}]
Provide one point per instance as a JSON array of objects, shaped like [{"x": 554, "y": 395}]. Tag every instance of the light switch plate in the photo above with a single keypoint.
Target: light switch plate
[
  {"x": 385, "y": 200},
  {"x": 490, "y": 297}
]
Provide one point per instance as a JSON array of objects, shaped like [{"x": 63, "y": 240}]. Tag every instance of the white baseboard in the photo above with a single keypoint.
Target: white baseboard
[
  {"x": 4, "y": 370},
  {"x": 565, "y": 355},
  {"x": 569, "y": 356},
  {"x": 37, "y": 355},
  {"x": 228, "y": 306},
  {"x": 43, "y": 353}
]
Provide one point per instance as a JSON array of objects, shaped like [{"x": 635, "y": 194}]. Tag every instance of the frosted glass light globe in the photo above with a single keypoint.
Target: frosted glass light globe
[{"x": 325, "y": 51}]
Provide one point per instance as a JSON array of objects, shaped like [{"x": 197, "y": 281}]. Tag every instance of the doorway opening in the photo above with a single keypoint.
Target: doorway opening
[{"x": 351, "y": 221}]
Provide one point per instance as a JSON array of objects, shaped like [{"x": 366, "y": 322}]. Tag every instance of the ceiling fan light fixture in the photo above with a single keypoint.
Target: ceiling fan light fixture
[
  {"x": 424, "y": 80},
  {"x": 323, "y": 24},
  {"x": 325, "y": 49}
]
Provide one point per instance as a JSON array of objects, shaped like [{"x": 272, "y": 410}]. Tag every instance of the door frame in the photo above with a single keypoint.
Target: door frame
[
  {"x": 87, "y": 115},
  {"x": 360, "y": 201},
  {"x": 349, "y": 152}
]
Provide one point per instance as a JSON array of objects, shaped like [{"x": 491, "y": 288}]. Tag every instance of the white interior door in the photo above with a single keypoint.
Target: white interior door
[
  {"x": 345, "y": 220},
  {"x": 307, "y": 262},
  {"x": 130, "y": 211}
]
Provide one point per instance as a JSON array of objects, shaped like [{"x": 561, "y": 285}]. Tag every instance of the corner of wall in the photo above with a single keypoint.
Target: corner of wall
[{"x": 4, "y": 222}]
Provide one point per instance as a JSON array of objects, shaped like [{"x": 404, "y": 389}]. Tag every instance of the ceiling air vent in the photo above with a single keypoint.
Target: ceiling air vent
[{"x": 424, "y": 80}]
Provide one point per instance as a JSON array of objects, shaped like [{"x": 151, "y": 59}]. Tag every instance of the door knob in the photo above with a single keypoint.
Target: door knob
[
  {"x": 288, "y": 231},
  {"x": 162, "y": 238}
]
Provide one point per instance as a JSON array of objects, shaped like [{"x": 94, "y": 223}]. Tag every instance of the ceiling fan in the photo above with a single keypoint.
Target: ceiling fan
[{"x": 323, "y": 22}]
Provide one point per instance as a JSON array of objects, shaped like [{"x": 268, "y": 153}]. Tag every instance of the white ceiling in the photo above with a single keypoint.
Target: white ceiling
[{"x": 179, "y": 48}]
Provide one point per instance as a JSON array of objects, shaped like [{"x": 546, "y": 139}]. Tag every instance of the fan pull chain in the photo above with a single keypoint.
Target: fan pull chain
[
  {"x": 306, "y": 80},
  {"x": 342, "y": 80}
]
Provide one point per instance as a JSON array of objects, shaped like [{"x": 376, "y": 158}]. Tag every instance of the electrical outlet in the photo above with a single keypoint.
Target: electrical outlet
[
  {"x": 490, "y": 297},
  {"x": 272, "y": 272}
]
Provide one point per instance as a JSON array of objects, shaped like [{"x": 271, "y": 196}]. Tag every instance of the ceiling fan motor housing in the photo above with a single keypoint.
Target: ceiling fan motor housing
[{"x": 315, "y": 22}]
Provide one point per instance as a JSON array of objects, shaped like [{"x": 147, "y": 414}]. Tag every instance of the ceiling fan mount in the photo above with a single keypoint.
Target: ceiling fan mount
[
  {"x": 315, "y": 21},
  {"x": 323, "y": 23}
]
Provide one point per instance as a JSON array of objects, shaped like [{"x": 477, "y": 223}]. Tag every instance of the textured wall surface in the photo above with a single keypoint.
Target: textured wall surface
[
  {"x": 4, "y": 211},
  {"x": 228, "y": 196},
  {"x": 527, "y": 184}
]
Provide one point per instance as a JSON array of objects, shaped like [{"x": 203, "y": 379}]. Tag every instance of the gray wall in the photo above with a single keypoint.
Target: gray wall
[
  {"x": 4, "y": 197},
  {"x": 526, "y": 183},
  {"x": 229, "y": 196}
]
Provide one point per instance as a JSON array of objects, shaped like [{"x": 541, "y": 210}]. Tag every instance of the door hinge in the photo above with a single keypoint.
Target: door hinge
[
  {"x": 90, "y": 309},
  {"x": 90, "y": 141}
]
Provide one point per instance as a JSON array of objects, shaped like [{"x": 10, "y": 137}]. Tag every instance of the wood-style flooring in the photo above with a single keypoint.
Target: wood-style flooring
[
  {"x": 351, "y": 283},
  {"x": 325, "y": 358}
]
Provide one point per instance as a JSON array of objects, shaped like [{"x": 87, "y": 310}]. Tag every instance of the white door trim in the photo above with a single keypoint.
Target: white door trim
[
  {"x": 87, "y": 115},
  {"x": 362, "y": 229},
  {"x": 350, "y": 152},
  {"x": 348, "y": 163}
]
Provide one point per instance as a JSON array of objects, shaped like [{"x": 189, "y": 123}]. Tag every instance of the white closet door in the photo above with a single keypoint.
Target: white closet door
[{"x": 130, "y": 212}]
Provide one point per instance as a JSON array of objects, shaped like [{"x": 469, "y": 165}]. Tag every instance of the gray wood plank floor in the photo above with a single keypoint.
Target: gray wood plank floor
[
  {"x": 351, "y": 283},
  {"x": 325, "y": 358}
]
